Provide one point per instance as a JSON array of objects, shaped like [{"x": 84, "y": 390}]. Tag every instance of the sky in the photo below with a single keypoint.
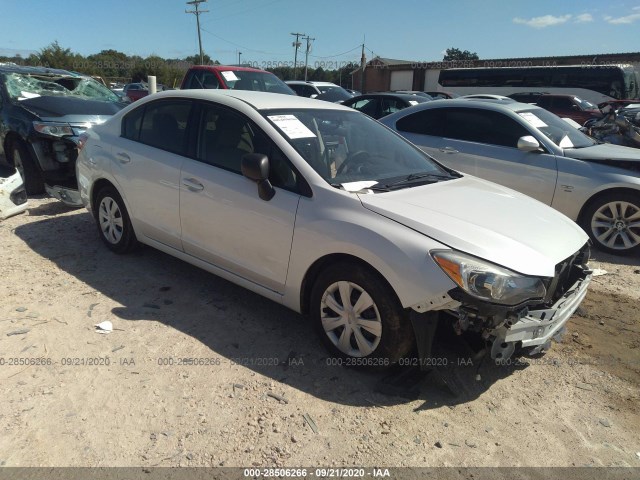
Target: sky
[{"x": 416, "y": 30}]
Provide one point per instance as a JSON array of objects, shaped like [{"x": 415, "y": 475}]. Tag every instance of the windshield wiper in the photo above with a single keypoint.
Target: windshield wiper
[{"x": 433, "y": 178}]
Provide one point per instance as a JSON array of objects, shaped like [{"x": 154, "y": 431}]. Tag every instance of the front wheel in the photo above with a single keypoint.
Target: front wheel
[
  {"x": 25, "y": 165},
  {"x": 613, "y": 223},
  {"x": 358, "y": 317},
  {"x": 113, "y": 221}
]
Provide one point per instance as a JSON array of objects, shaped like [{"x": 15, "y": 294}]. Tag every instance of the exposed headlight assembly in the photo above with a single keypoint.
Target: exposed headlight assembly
[
  {"x": 53, "y": 129},
  {"x": 487, "y": 281}
]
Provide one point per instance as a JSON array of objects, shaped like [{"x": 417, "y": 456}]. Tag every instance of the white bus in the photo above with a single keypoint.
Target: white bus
[{"x": 595, "y": 83}]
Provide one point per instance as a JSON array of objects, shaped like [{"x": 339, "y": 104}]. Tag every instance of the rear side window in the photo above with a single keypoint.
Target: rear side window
[
  {"x": 482, "y": 126},
  {"x": 425, "y": 122},
  {"x": 202, "y": 79},
  {"x": 162, "y": 125},
  {"x": 132, "y": 123}
]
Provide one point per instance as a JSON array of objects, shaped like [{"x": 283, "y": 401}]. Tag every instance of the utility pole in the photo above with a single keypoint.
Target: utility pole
[
  {"x": 306, "y": 56},
  {"x": 296, "y": 44},
  {"x": 239, "y": 54},
  {"x": 363, "y": 64},
  {"x": 197, "y": 13}
]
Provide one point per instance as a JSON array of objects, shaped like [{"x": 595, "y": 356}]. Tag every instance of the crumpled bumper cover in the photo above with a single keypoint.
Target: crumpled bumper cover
[
  {"x": 68, "y": 196},
  {"x": 539, "y": 327}
]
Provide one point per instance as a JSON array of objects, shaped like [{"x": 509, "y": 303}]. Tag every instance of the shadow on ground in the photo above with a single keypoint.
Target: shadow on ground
[{"x": 238, "y": 324}]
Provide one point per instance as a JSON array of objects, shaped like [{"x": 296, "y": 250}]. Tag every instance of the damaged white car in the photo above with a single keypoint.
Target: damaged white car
[{"x": 326, "y": 211}]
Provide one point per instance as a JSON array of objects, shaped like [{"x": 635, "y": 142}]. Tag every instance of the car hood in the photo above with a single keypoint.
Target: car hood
[
  {"x": 485, "y": 220},
  {"x": 603, "y": 152},
  {"x": 70, "y": 109}
]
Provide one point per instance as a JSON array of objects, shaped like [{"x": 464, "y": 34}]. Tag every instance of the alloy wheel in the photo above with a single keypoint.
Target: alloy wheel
[{"x": 617, "y": 225}]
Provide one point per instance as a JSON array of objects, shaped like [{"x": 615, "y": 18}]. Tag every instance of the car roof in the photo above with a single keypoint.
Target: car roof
[
  {"x": 302, "y": 82},
  {"x": 14, "y": 68},
  {"x": 257, "y": 100},
  {"x": 487, "y": 104},
  {"x": 403, "y": 96},
  {"x": 226, "y": 68}
]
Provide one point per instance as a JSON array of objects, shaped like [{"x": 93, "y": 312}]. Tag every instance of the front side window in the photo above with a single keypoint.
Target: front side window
[{"x": 225, "y": 137}]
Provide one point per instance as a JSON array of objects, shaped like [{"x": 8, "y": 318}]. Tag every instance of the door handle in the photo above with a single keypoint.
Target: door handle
[
  {"x": 123, "y": 157},
  {"x": 192, "y": 184},
  {"x": 448, "y": 150}
]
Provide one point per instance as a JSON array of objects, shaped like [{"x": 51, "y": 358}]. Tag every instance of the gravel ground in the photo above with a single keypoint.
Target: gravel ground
[{"x": 199, "y": 372}]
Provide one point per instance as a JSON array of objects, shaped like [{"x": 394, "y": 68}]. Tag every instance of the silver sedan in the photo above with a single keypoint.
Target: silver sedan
[
  {"x": 531, "y": 150},
  {"x": 321, "y": 208}
]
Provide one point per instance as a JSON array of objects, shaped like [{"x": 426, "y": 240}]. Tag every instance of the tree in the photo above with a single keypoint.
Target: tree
[
  {"x": 54, "y": 56},
  {"x": 457, "y": 54}
]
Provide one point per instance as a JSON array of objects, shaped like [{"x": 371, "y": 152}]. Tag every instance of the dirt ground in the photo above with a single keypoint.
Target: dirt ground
[{"x": 199, "y": 372}]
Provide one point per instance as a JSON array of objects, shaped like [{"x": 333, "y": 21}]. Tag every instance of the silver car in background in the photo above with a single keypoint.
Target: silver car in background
[
  {"x": 320, "y": 208},
  {"x": 531, "y": 150}
]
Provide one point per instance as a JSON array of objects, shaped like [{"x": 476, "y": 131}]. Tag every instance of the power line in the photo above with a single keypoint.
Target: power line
[{"x": 197, "y": 13}]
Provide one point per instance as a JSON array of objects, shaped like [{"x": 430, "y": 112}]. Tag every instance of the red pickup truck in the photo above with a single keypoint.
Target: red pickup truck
[{"x": 235, "y": 78}]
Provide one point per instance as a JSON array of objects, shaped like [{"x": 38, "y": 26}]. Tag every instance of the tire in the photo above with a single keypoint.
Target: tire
[
  {"x": 113, "y": 221},
  {"x": 612, "y": 221},
  {"x": 388, "y": 334},
  {"x": 25, "y": 164}
]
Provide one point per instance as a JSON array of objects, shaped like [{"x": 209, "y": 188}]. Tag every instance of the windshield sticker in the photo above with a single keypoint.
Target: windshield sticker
[
  {"x": 229, "y": 76},
  {"x": 572, "y": 122},
  {"x": 412, "y": 102},
  {"x": 533, "y": 119},
  {"x": 291, "y": 126},
  {"x": 566, "y": 142},
  {"x": 358, "y": 186}
]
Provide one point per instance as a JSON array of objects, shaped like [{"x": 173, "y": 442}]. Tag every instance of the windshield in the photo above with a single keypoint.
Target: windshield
[
  {"x": 556, "y": 129},
  {"x": 22, "y": 86},
  {"x": 348, "y": 146},
  {"x": 256, "y": 81},
  {"x": 584, "y": 104}
]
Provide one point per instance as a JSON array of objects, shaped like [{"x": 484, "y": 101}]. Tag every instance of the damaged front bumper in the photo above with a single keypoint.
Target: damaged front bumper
[
  {"x": 535, "y": 329},
  {"x": 68, "y": 196}
]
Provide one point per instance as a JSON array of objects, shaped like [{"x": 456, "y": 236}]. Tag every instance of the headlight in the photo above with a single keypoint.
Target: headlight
[
  {"x": 487, "y": 281},
  {"x": 53, "y": 129}
]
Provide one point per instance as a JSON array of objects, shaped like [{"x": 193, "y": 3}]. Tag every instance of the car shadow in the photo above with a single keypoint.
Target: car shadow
[
  {"x": 633, "y": 260},
  {"x": 245, "y": 328}
]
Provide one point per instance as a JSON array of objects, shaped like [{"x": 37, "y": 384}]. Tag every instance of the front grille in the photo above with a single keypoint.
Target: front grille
[{"x": 567, "y": 273}]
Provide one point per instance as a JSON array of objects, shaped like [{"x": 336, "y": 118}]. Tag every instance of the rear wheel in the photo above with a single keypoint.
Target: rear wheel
[
  {"x": 113, "y": 221},
  {"x": 26, "y": 166},
  {"x": 358, "y": 317},
  {"x": 613, "y": 223}
]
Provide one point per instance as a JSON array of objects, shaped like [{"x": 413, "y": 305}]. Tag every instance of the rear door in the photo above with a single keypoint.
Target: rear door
[{"x": 148, "y": 158}]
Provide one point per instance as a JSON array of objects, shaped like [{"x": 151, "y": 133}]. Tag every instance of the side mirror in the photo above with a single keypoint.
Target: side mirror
[
  {"x": 313, "y": 95},
  {"x": 255, "y": 166},
  {"x": 575, "y": 108},
  {"x": 528, "y": 143}
]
